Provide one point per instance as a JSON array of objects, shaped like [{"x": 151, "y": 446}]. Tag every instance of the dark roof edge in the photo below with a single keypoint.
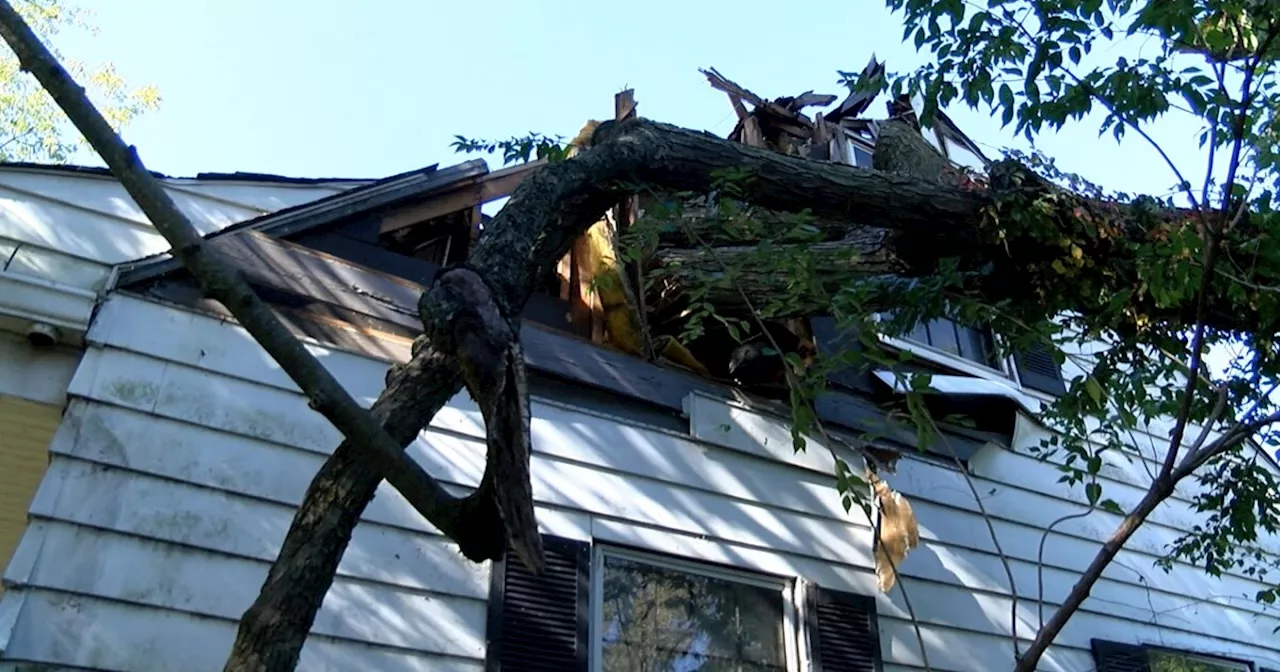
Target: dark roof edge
[
  {"x": 238, "y": 176},
  {"x": 381, "y": 194}
]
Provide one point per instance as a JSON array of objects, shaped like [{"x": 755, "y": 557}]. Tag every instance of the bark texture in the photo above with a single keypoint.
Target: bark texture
[{"x": 470, "y": 338}]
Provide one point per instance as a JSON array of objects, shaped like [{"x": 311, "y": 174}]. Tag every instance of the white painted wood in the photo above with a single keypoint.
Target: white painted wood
[
  {"x": 83, "y": 561},
  {"x": 35, "y": 373},
  {"x": 244, "y": 411},
  {"x": 119, "y": 437},
  {"x": 54, "y": 266},
  {"x": 992, "y": 572},
  {"x": 83, "y": 631},
  {"x": 92, "y": 217},
  {"x": 186, "y": 447},
  {"x": 30, "y": 298}
]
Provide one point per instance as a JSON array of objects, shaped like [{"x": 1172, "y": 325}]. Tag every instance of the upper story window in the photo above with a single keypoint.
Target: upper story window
[
  {"x": 1146, "y": 658},
  {"x": 947, "y": 336},
  {"x": 604, "y": 608},
  {"x": 660, "y": 617},
  {"x": 1176, "y": 661},
  {"x": 860, "y": 154}
]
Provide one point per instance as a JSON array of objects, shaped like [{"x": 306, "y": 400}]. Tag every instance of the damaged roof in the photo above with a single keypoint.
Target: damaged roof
[{"x": 388, "y": 192}]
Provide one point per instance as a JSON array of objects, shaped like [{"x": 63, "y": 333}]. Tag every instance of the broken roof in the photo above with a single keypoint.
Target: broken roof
[{"x": 388, "y": 192}]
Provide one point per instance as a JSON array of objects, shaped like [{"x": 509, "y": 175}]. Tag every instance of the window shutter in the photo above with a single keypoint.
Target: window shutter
[
  {"x": 1038, "y": 371},
  {"x": 831, "y": 341},
  {"x": 843, "y": 633},
  {"x": 539, "y": 624},
  {"x": 1117, "y": 657}
]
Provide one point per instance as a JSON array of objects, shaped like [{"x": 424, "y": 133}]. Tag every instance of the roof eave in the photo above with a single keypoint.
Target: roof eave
[{"x": 383, "y": 194}]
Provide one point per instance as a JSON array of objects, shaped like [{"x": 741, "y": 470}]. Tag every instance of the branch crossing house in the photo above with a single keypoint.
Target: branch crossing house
[{"x": 152, "y": 456}]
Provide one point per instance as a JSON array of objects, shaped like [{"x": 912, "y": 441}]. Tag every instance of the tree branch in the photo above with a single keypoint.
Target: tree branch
[
  {"x": 275, "y": 627},
  {"x": 221, "y": 281}
]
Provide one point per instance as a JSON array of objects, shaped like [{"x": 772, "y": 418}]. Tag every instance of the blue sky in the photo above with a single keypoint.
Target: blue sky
[{"x": 321, "y": 88}]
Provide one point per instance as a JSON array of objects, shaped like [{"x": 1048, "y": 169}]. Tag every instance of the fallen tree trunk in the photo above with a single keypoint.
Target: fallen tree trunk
[
  {"x": 547, "y": 212},
  {"x": 699, "y": 225},
  {"x": 1014, "y": 232},
  {"x": 765, "y": 273}
]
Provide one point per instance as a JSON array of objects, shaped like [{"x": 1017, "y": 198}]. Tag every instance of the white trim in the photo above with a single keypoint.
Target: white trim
[
  {"x": 945, "y": 384},
  {"x": 929, "y": 353},
  {"x": 38, "y": 300},
  {"x": 785, "y": 586},
  {"x": 800, "y": 593}
]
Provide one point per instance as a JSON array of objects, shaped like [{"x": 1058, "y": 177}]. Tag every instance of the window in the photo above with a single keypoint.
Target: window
[
  {"x": 860, "y": 156},
  {"x": 1117, "y": 657},
  {"x": 610, "y": 609},
  {"x": 655, "y": 617},
  {"x": 974, "y": 345},
  {"x": 1174, "y": 661}
]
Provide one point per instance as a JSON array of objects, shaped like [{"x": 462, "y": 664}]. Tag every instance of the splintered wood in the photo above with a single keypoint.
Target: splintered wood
[{"x": 897, "y": 531}]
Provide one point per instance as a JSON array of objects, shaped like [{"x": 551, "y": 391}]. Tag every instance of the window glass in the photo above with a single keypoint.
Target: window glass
[
  {"x": 657, "y": 619},
  {"x": 961, "y": 155},
  {"x": 1171, "y": 661},
  {"x": 948, "y": 336},
  {"x": 860, "y": 156}
]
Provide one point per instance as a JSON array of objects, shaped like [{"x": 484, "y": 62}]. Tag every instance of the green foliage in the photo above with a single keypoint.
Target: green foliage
[
  {"x": 534, "y": 146},
  {"x": 1043, "y": 65},
  {"x": 32, "y": 127}
]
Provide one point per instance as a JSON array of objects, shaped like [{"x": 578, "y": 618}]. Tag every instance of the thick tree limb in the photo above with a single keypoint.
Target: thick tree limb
[
  {"x": 762, "y": 274},
  {"x": 273, "y": 630},
  {"x": 221, "y": 281},
  {"x": 548, "y": 211},
  {"x": 984, "y": 229}
]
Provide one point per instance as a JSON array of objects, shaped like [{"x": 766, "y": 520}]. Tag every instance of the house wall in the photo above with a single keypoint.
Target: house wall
[
  {"x": 61, "y": 230},
  {"x": 184, "y": 449}
]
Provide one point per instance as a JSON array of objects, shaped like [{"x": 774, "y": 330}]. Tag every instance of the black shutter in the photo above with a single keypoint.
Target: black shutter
[
  {"x": 539, "y": 624},
  {"x": 1117, "y": 657},
  {"x": 830, "y": 341},
  {"x": 843, "y": 633},
  {"x": 1038, "y": 371}
]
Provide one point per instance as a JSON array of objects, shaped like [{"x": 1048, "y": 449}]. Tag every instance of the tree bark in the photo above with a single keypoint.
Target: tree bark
[
  {"x": 765, "y": 273},
  {"x": 221, "y": 281},
  {"x": 1159, "y": 491},
  {"x": 469, "y": 314}
]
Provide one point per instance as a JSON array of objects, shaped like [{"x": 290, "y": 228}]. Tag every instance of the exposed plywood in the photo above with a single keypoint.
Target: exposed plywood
[
  {"x": 465, "y": 195},
  {"x": 26, "y": 427}
]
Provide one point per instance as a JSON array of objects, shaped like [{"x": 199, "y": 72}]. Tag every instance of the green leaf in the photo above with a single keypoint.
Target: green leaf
[
  {"x": 1093, "y": 491},
  {"x": 1094, "y": 388},
  {"x": 1110, "y": 506}
]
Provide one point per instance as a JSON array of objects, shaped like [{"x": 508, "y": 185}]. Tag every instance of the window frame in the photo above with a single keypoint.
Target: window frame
[
  {"x": 1105, "y": 652},
  {"x": 792, "y": 591},
  {"x": 1002, "y": 368},
  {"x": 1232, "y": 664}
]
